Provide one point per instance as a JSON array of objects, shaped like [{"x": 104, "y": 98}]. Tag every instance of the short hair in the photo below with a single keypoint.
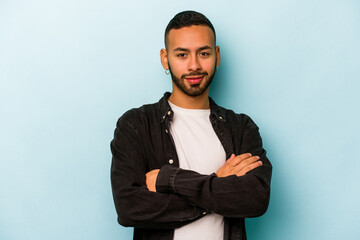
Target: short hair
[{"x": 187, "y": 19}]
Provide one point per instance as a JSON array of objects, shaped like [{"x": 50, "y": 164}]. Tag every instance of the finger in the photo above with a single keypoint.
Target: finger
[
  {"x": 154, "y": 171},
  {"x": 248, "y": 168},
  {"x": 238, "y": 159},
  {"x": 231, "y": 158},
  {"x": 246, "y": 162}
]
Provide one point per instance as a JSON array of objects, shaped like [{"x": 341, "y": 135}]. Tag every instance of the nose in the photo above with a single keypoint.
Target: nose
[{"x": 194, "y": 64}]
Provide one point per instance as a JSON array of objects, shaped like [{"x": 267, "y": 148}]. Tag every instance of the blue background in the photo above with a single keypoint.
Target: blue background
[{"x": 69, "y": 69}]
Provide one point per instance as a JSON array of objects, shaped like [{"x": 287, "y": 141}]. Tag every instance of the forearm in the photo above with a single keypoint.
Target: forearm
[
  {"x": 144, "y": 209},
  {"x": 232, "y": 196},
  {"x": 138, "y": 207}
]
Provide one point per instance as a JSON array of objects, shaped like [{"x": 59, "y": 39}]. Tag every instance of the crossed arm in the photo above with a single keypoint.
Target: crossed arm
[
  {"x": 235, "y": 165},
  {"x": 240, "y": 188}
]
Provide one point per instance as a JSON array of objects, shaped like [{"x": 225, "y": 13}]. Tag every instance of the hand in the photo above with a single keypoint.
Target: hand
[
  {"x": 239, "y": 165},
  {"x": 151, "y": 179}
]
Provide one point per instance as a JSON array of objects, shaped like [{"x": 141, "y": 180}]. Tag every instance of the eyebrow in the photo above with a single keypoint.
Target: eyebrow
[{"x": 180, "y": 49}]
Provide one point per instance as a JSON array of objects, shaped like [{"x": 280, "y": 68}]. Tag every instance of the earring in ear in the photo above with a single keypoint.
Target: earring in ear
[
  {"x": 167, "y": 71},
  {"x": 217, "y": 67}
]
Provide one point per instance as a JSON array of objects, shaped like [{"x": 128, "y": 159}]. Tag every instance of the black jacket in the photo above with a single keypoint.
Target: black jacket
[{"x": 142, "y": 142}]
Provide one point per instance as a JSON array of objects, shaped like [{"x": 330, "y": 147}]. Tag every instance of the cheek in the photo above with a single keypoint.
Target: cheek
[
  {"x": 209, "y": 66},
  {"x": 178, "y": 67}
]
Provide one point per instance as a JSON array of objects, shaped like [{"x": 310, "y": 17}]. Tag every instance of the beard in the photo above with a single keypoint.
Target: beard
[{"x": 195, "y": 89}]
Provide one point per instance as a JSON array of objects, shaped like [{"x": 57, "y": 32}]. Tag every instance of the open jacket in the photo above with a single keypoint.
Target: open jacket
[{"x": 142, "y": 142}]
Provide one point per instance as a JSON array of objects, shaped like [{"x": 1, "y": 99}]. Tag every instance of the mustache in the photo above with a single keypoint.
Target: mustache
[{"x": 196, "y": 73}]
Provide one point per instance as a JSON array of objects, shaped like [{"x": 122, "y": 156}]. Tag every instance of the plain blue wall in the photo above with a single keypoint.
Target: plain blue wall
[{"x": 69, "y": 69}]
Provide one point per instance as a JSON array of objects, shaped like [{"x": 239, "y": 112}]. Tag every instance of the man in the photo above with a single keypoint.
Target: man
[{"x": 185, "y": 168}]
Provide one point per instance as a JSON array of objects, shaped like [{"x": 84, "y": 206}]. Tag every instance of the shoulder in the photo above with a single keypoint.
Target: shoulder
[
  {"x": 237, "y": 119},
  {"x": 135, "y": 116}
]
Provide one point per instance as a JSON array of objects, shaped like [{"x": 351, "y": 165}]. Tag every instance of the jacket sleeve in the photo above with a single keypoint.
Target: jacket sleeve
[
  {"x": 136, "y": 206},
  {"x": 232, "y": 196}
]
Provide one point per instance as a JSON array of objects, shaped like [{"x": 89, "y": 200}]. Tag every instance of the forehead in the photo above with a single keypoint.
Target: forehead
[{"x": 192, "y": 36}]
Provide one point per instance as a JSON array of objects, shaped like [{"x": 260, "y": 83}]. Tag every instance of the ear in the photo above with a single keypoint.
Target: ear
[
  {"x": 164, "y": 59},
  {"x": 218, "y": 58}
]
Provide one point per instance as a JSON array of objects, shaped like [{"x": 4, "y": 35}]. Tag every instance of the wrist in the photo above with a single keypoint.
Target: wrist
[{"x": 165, "y": 179}]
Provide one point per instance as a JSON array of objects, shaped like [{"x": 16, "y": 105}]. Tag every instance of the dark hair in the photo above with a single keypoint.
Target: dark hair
[{"x": 187, "y": 19}]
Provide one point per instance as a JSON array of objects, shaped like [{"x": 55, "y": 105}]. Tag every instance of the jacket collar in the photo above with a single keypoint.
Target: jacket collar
[{"x": 167, "y": 112}]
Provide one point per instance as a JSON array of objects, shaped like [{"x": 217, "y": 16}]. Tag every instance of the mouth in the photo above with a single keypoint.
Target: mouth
[{"x": 194, "y": 79}]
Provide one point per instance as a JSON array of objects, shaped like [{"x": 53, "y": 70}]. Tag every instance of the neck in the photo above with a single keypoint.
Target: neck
[{"x": 185, "y": 101}]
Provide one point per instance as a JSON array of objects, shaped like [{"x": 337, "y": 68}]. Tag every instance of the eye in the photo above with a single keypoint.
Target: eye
[
  {"x": 204, "y": 54},
  {"x": 181, "y": 55}
]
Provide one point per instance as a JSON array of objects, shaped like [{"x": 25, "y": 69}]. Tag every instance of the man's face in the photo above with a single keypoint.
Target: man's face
[{"x": 191, "y": 57}]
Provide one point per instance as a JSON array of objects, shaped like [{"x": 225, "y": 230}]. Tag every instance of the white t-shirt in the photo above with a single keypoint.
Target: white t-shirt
[{"x": 199, "y": 149}]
